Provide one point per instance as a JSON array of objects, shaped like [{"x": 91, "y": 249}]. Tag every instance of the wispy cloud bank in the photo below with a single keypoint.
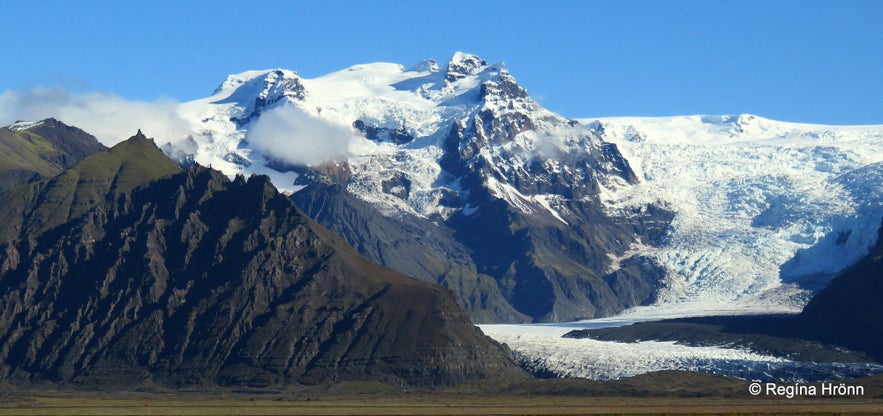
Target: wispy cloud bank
[
  {"x": 288, "y": 133},
  {"x": 109, "y": 117}
]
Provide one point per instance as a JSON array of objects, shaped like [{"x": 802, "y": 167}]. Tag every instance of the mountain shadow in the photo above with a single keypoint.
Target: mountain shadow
[{"x": 848, "y": 312}]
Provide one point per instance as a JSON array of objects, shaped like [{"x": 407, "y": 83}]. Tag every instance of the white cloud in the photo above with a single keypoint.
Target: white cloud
[
  {"x": 290, "y": 134},
  {"x": 285, "y": 132},
  {"x": 109, "y": 117}
]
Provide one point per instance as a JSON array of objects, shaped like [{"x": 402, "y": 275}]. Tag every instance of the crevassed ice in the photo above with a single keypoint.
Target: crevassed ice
[{"x": 766, "y": 211}]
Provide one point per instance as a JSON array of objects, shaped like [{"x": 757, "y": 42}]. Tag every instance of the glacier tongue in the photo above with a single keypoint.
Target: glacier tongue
[
  {"x": 542, "y": 349},
  {"x": 766, "y": 211}
]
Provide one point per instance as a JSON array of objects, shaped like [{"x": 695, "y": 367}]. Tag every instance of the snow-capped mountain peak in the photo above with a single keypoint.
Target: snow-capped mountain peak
[
  {"x": 394, "y": 114},
  {"x": 463, "y": 65},
  {"x": 426, "y": 65},
  {"x": 253, "y": 91},
  {"x": 432, "y": 142},
  {"x": 258, "y": 82}
]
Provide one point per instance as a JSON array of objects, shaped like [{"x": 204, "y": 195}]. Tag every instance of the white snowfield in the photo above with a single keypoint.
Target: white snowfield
[
  {"x": 766, "y": 211},
  {"x": 24, "y": 125}
]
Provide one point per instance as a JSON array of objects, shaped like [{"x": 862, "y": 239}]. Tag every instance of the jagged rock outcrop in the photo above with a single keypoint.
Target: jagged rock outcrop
[
  {"x": 156, "y": 275},
  {"x": 276, "y": 86}
]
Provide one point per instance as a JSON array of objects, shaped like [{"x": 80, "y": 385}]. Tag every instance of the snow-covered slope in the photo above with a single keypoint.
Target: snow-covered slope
[
  {"x": 766, "y": 211},
  {"x": 460, "y": 148},
  {"x": 408, "y": 112}
]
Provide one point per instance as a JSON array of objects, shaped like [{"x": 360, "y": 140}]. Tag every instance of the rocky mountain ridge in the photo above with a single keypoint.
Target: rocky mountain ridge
[{"x": 127, "y": 269}]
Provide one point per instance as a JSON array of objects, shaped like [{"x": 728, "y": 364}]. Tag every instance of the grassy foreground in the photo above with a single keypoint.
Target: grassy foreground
[
  {"x": 653, "y": 394},
  {"x": 424, "y": 405}
]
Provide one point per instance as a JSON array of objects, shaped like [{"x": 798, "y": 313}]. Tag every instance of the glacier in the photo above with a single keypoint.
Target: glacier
[
  {"x": 766, "y": 212},
  {"x": 541, "y": 349}
]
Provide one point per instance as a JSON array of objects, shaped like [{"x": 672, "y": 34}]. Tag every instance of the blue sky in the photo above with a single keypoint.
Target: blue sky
[{"x": 805, "y": 61}]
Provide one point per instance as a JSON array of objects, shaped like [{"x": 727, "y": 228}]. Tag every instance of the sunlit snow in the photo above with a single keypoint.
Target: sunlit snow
[
  {"x": 422, "y": 102},
  {"x": 766, "y": 211},
  {"x": 24, "y": 125}
]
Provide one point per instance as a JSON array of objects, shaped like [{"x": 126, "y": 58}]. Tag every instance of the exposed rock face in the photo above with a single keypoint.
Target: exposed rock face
[
  {"x": 504, "y": 265},
  {"x": 276, "y": 86},
  {"x": 549, "y": 263},
  {"x": 192, "y": 279},
  {"x": 463, "y": 65},
  {"x": 410, "y": 245},
  {"x": 76, "y": 144},
  {"x": 383, "y": 134}
]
